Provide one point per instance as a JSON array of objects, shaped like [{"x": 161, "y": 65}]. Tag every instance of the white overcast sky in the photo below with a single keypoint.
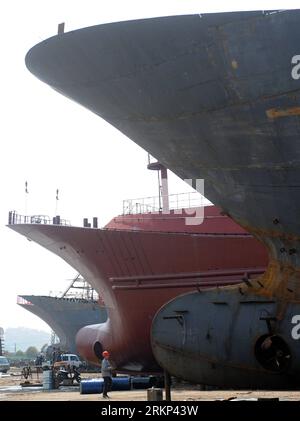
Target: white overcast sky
[{"x": 54, "y": 143}]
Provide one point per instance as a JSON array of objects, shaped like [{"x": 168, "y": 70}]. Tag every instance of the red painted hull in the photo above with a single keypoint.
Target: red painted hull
[{"x": 137, "y": 271}]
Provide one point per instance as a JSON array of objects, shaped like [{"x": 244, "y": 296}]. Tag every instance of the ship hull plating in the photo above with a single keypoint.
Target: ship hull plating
[
  {"x": 65, "y": 316},
  {"x": 209, "y": 98},
  {"x": 216, "y": 337},
  {"x": 136, "y": 272},
  {"x": 205, "y": 95}
]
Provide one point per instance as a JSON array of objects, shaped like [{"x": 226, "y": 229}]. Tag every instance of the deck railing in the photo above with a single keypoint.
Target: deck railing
[
  {"x": 155, "y": 203},
  {"x": 15, "y": 218}
]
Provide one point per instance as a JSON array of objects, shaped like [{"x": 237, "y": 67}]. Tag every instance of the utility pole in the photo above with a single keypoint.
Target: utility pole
[
  {"x": 26, "y": 198},
  {"x": 56, "y": 201}
]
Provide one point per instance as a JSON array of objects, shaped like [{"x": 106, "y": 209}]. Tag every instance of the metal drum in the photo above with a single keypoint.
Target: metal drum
[
  {"x": 141, "y": 382},
  {"x": 48, "y": 380},
  {"x": 96, "y": 385},
  {"x": 121, "y": 383},
  {"x": 91, "y": 386}
]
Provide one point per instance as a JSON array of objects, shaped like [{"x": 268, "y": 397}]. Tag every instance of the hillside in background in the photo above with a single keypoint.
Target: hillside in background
[{"x": 20, "y": 338}]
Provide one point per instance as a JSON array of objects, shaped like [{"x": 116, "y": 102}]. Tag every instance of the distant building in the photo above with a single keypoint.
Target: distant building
[{"x": 1, "y": 341}]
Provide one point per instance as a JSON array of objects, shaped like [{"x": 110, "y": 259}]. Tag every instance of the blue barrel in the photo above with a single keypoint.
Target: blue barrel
[
  {"x": 96, "y": 385},
  {"x": 91, "y": 386},
  {"x": 48, "y": 380},
  {"x": 121, "y": 383},
  {"x": 141, "y": 382}
]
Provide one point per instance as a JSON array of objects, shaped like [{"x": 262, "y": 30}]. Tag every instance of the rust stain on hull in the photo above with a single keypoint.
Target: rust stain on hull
[{"x": 277, "y": 113}]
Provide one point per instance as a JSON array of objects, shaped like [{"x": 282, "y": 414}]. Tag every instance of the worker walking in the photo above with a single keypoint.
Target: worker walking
[{"x": 106, "y": 370}]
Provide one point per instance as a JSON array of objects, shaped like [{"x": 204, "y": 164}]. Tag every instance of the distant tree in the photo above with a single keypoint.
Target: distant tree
[
  {"x": 31, "y": 352},
  {"x": 19, "y": 353}
]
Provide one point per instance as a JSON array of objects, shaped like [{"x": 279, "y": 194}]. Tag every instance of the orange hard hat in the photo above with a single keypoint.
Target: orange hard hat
[{"x": 105, "y": 354}]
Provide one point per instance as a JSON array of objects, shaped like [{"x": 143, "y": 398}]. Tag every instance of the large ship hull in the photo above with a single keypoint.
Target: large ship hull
[
  {"x": 214, "y": 97},
  {"x": 205, "y": 95},
  {"x": 65, "y": 316},
  {"x": 136, "y": 272}
]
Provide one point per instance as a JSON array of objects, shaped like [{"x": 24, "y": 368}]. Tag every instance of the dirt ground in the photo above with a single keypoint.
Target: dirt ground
[{"x": 10, "y": 390}]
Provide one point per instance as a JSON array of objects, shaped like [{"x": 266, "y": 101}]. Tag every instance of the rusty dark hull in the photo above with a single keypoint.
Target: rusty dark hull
[
  {"x": 136, "y": 272},
  {"x": 206, "y": 96},
  {"x": 203, "y": 94},
  {"x": 215, "y": 97},
  {"x": 65, "y": 316}
]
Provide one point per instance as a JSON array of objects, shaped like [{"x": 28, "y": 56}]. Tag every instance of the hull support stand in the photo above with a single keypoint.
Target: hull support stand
[{"x": 167, "y": 385}]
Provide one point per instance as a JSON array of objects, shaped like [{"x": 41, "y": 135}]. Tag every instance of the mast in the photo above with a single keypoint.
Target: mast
[{"x": 163, "y": 184}]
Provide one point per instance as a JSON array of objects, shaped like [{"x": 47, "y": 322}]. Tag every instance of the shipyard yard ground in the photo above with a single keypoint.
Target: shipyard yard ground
[{"x": 10, "y": 390}]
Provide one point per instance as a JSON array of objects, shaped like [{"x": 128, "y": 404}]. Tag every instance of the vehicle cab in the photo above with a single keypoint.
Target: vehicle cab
[
  {"x": 4, "y": 365},
  {"x": 71, "y": 360}
]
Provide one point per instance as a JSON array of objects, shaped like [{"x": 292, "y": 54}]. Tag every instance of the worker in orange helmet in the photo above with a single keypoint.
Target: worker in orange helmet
[{"x": 106, "y": 371}]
